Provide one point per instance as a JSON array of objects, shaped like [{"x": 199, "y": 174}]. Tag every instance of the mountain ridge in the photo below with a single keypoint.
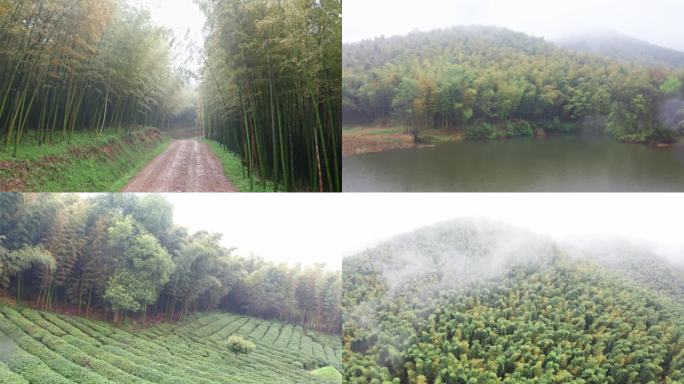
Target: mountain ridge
[{"x": 620, "y": 46}]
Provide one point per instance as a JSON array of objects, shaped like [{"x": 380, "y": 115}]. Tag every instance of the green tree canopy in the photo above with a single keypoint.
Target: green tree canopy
[{"x": 141, "y": 267}]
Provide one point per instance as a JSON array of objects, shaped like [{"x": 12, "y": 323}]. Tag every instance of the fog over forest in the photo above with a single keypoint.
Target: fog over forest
[
  {"x": 565, "y": 218},
  {"x": 476, "y": 300},
  {"x": 472, "y": 250}
]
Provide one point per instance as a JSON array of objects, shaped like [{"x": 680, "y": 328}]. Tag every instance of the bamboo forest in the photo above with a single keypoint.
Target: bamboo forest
[
  {"x": 255, "y": 107},
  {"x": 112, "y": 265},
  {"x": 63, "y": 69},
  {"x": 271, "y": 91},
  {"x": 476, "y": 301}
]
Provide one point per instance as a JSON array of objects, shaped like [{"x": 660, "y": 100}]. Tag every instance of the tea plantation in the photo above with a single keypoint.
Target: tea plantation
[{"x": 42, "y": 347}]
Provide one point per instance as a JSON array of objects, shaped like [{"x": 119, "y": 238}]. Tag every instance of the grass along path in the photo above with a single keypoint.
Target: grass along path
[
  {"x": 32, "y": 149},
  {"x": 149, "y": 156},
  {"x": 51, "y": 348},
  {"x": 236, "y": 172},
  {"x": 83, "y": 164}
]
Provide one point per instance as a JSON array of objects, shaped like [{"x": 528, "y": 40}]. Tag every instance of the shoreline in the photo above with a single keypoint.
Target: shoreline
[
  {"x": 364, "y": 140},
  {"x": 375, "y": 139}
]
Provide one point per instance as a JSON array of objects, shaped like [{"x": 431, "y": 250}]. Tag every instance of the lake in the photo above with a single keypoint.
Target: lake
[{"x": 553, "y": 164}]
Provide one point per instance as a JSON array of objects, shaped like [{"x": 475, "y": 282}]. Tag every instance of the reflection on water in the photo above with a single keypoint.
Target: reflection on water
[{"x": 558, "y": 164}]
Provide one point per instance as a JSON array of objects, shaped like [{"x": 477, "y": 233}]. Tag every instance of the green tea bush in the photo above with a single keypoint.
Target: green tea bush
[
  {"x": 328, "y": 373},
  {"x": 237, "y": 344},
  {"x": 9, "y": 377}
]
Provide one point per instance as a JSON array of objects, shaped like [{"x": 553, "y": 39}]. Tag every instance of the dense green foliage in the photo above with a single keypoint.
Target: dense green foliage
[
  {"x": 270, "y": 89},
  {"x": 497, "y": 83},
  {"x": 82, "y": 65},
  {"x": 14, "y": 262},
  {"x": 472, "y": 302},
  {"x": 238, "y": 344},
  {"x": 42, "y": 347},
  {"x": 122, "y": 254}
]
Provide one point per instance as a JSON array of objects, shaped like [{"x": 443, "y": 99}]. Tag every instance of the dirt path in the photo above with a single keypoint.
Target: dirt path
[{"x": 186, "y": 166}]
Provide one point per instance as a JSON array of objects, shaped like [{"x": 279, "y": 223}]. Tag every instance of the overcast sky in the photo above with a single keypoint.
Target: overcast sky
[
  {"x": 310, "y": 228},
  {"x": 295, "y": 228},
  {"x": 183, "y": 17},
  {"x": 656, "y": 21}
]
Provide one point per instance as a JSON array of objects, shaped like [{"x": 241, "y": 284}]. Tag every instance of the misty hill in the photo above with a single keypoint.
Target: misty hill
[
  {"x": 622, "y": 47},
  {"x": 420, "y": 44},
  {"x": 493, "y": 83},
  {"x": 637, "y": 263},
  {"x": 477, "y": 301}
]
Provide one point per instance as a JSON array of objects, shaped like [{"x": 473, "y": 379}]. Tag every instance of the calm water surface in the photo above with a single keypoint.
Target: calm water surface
[{"x": 557, "y": 164}]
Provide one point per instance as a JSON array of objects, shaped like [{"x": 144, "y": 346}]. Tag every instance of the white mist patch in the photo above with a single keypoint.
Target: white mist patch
[
  {"x": 463, "y": 252},
  {"x": 671, "y": 114},
  {"x": 460, "y": 252},
  {"x": 7, "y": 347},
  {"x": 610, "y": 249}
]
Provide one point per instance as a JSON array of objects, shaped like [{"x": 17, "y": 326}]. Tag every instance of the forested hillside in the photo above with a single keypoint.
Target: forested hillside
[
  {"x": 623, "y": 47},
  {"x": 121, "y": 255},
  {"x": 479, "y": 302},
  {"x": 69, "y": 66},
  {"x": 494, "y": 83},
  {"x": 270, "y": 89}
]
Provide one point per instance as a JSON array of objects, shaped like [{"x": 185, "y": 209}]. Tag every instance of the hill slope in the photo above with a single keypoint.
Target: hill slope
[
  {"x": 478, "y": 302},
  {"x": 42, "y": 347},
  {"x": 621, "y": 47},
  {"x": 493, "y": 83}
]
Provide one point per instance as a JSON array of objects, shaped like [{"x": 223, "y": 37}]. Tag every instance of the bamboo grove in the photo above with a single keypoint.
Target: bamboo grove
[
  {"x": 69, "y": 65},
  {"x": 495, "y": 83},
  {"x": 270, "y": 89},
  {"x": 119, "y": 255}
]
